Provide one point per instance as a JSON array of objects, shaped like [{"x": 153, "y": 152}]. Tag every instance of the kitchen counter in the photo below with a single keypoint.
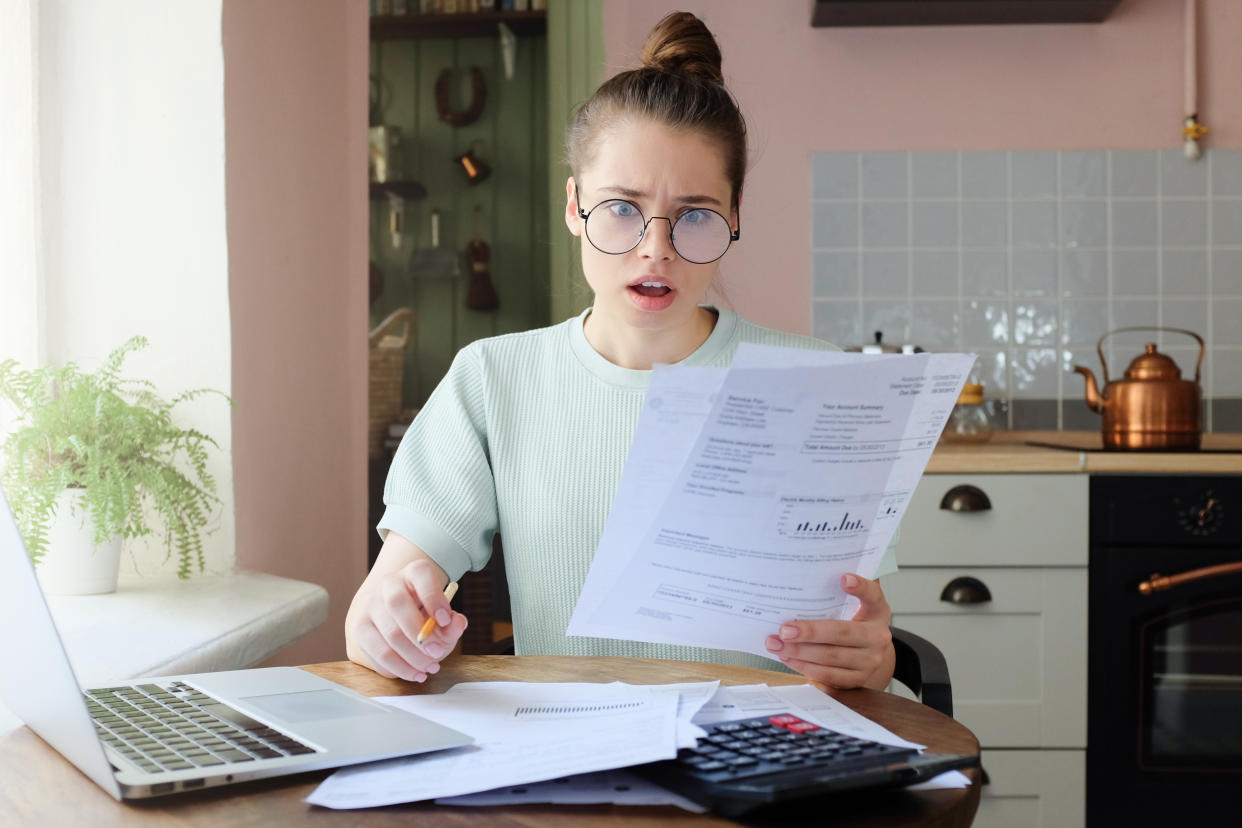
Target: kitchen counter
[{"x": 1008, "y": 452}]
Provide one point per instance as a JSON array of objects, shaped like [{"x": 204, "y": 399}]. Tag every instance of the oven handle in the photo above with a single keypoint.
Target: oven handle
[{"x": 1158, "y": 582}]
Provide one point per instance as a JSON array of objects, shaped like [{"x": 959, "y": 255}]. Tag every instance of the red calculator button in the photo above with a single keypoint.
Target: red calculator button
[
  {"x": 801, "y": 727},
  {"x": 784, "y": 720}
]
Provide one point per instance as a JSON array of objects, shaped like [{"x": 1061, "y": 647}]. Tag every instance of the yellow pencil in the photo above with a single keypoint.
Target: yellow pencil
[{"x": 429, "y": 625}]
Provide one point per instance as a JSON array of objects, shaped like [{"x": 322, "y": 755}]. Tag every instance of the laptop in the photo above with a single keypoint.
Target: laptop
[{"x": 141, "y": 738}]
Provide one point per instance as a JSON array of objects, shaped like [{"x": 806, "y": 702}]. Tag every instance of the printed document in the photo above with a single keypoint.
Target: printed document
[
  {"x": 525, "y": 732},
  {"x": 749, "y": 491}
]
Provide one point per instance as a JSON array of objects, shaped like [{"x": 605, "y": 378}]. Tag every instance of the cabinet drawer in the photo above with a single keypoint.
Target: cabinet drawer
[
  {"x": 1018, "y": 663},
  {"x": 1033, "y": 520},
  {"x": 1033, "y": 789}
]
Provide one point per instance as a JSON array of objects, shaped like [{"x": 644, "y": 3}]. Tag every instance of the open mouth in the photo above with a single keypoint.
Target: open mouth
[{"x": 652, "y": 289}]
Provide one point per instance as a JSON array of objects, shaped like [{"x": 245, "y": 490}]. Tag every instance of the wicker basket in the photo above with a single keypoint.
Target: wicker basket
[{"x": 387, "y": 369}]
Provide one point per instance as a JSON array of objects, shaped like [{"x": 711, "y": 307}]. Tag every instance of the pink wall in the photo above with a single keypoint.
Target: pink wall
[
  {"x": 1114, "y": 85},
  {"x": 295, "y": 91}
]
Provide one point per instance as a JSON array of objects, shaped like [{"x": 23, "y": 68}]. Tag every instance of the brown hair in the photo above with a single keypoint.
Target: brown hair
[{"x": 679, "y": 85}]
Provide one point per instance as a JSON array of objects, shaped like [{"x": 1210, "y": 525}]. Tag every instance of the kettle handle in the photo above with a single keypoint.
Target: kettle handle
[{"x": 1099, "y": 346}]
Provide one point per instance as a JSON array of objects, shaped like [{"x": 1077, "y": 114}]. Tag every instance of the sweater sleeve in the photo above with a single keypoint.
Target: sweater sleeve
[{"x": 440, "y": 493}]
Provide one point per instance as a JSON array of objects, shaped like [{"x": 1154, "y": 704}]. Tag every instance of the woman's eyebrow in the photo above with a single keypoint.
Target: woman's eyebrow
[{"x": 686, "y": 199}]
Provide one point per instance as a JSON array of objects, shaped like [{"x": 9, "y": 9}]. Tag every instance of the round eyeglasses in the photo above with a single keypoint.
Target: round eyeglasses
[{"x": 699, "y": 235}]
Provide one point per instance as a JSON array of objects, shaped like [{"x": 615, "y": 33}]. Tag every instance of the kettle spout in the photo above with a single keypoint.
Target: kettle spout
[{"x": 1094, "y": 400}]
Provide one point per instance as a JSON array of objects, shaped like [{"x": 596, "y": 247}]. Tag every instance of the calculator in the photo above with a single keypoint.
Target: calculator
[{"x": 745, "y": 764}]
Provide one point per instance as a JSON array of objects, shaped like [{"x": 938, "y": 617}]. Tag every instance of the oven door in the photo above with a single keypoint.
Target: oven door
[
  {"x": 1164, "y": 688},
  {"x": 1190, "y": 694}
]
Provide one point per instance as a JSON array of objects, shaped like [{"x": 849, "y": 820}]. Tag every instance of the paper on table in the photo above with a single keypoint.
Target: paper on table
[
  {"x": 690, "y": 696},
  {"x": 524, "y": 733},
  {"x": 796, "y": 476}
]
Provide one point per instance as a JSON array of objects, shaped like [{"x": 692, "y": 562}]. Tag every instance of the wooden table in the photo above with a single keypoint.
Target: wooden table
[{"x": 38, "y": 787}]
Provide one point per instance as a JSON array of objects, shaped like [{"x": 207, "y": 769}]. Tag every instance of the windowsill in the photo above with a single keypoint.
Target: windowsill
[{"x": 204, "y": 624}]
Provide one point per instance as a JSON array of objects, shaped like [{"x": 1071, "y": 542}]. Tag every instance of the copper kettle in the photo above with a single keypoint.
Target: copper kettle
[{"x": 1153, "y": 408}]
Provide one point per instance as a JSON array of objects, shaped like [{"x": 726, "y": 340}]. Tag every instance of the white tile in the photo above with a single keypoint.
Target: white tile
[
  {"x": 1227, "y": 271},
  {"x": 1083, "y": 321},
  {"x": 1034, "y": 224},
  {"x": 1183, "y": 222},
  {"x": 1034, "y": 272},
  {"x": 933, "y": 174},
  {"x": 1136, "y": 272},
  {"x": 1034, "y": 373},
  {"x": 933, "y": 273},
  {"x": 1179, "y": 176},
  {"x": 1084, "y": 174},
  {"x": 1084, "y": 223},
  {"x": 985, "y": 175},
  {"x": 934, "y": 224},
  {"x": 885, "y": 224},
  {"x": 934, "y": 324},
  {"x": 885, "y": 273},
  {"x": 1184, "y": 272},
  {"x": 885, "y": 174},
  {"x": 985, "y": 224},
  {"x": 835, "y": 274},
  {"x": 839, "y": 322},
  {"x": 1034, "y": 174},
  {"x": 1227, "y": 221},
  {"x": 1034, "y": 322},
  {"x": 984, "y": 323},
  {"x": 1084, "y": 273},
  {"x": 1135, "y": 223},
  {"x": 834, "y": 225},
  {"x": 1227, "y": 322},
  {"x": 1226, "y": 171},
  {"x": 985, "y": 273},
  {"x": 834, "y": 175},
  {"x": 1132, "y": 173}
]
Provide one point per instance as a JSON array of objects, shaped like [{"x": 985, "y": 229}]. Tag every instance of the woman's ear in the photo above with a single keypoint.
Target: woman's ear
[{"x": 572, "y": 220}]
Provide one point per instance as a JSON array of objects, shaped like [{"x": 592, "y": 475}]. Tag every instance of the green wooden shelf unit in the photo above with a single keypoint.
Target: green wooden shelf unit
[{"x": 509, "y": 210}]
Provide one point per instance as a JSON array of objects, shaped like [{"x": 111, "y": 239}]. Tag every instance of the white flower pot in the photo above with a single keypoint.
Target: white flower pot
[{"x": 73, "y": 564}]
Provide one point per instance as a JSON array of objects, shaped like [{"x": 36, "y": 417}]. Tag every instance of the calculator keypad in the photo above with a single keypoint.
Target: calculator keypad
[{"x": 755, "y": 747}]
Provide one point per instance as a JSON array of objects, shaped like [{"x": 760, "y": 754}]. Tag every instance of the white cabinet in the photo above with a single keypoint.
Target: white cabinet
[
  {"x": 1033, "y": 789},
  {"x": 1018, "y": 660}
]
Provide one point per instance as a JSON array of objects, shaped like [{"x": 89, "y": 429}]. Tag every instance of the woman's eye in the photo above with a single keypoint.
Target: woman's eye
[
  {"x": 695, "y": 216},
  {"x": 623, "y": 209}
]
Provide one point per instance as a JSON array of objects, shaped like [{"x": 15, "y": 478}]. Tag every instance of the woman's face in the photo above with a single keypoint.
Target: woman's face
[{"x": 663, "y": 172}]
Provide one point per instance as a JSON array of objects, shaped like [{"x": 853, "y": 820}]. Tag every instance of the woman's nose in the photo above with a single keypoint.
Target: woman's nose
[{"x": 657, "y": 242}]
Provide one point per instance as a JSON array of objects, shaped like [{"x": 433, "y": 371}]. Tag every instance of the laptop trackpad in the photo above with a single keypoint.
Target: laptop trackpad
[{"x": 312, "y": 705}]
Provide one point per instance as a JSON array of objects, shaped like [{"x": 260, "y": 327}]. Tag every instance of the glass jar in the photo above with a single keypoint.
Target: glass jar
[{"x": 969, "y": 422}]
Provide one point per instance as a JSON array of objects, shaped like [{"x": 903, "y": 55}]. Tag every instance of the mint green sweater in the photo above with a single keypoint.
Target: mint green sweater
[{"x": 527, "y": 435}]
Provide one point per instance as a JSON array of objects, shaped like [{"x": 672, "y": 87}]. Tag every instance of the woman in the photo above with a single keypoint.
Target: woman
[{"x": 528, "y": 433}]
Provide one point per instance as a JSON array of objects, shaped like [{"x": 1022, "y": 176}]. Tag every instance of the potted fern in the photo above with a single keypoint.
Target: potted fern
[{"x": 89, "y": 453}]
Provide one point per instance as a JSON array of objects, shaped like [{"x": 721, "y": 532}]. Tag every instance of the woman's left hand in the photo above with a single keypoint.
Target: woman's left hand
[{"x": 842, "y": 654}]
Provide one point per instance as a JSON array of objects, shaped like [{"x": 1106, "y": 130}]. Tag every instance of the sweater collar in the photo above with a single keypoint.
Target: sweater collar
[{"x": 706, "y": 354}]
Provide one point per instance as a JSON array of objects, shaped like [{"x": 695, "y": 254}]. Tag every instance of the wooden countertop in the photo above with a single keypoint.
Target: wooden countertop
[{"x": 1008, "y": 452}]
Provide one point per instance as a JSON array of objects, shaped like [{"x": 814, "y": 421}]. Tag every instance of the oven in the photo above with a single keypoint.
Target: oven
[{"x": 1164, "y": 707}]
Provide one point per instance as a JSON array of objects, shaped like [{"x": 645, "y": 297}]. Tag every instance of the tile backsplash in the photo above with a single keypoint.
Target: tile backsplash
[{"x": 1027, "y": 258}]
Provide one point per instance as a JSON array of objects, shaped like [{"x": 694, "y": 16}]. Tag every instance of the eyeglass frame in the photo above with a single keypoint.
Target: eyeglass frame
[{"x": 734, "y": 235}]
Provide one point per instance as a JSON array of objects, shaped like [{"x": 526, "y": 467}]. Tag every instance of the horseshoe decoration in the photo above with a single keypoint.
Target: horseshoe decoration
[{"x": 478, "y": 97}]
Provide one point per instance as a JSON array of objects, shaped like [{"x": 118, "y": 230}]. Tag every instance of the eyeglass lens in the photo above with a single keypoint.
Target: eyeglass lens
[{"x": 699, "y": 235}]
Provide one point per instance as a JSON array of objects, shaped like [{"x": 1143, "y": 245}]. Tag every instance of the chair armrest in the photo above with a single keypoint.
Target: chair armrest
[{"x": 922, "y": 667}]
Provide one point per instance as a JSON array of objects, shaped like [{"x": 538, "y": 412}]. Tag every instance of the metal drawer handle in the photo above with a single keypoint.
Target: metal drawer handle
[
  {"x": 966, "y": 590},
  {"x": 965, "y": 498}
]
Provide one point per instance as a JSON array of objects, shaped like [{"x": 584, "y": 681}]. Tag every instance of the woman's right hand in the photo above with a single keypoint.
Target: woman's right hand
[{"x": 404, "y": 589}]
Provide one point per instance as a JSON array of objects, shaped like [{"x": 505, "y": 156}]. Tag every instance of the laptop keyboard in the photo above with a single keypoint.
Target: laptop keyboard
[{"x": 178, "y": 728}]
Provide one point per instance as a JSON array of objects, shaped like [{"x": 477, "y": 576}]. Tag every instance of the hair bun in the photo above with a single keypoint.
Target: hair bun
[{"x": 682, "y": 43}]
